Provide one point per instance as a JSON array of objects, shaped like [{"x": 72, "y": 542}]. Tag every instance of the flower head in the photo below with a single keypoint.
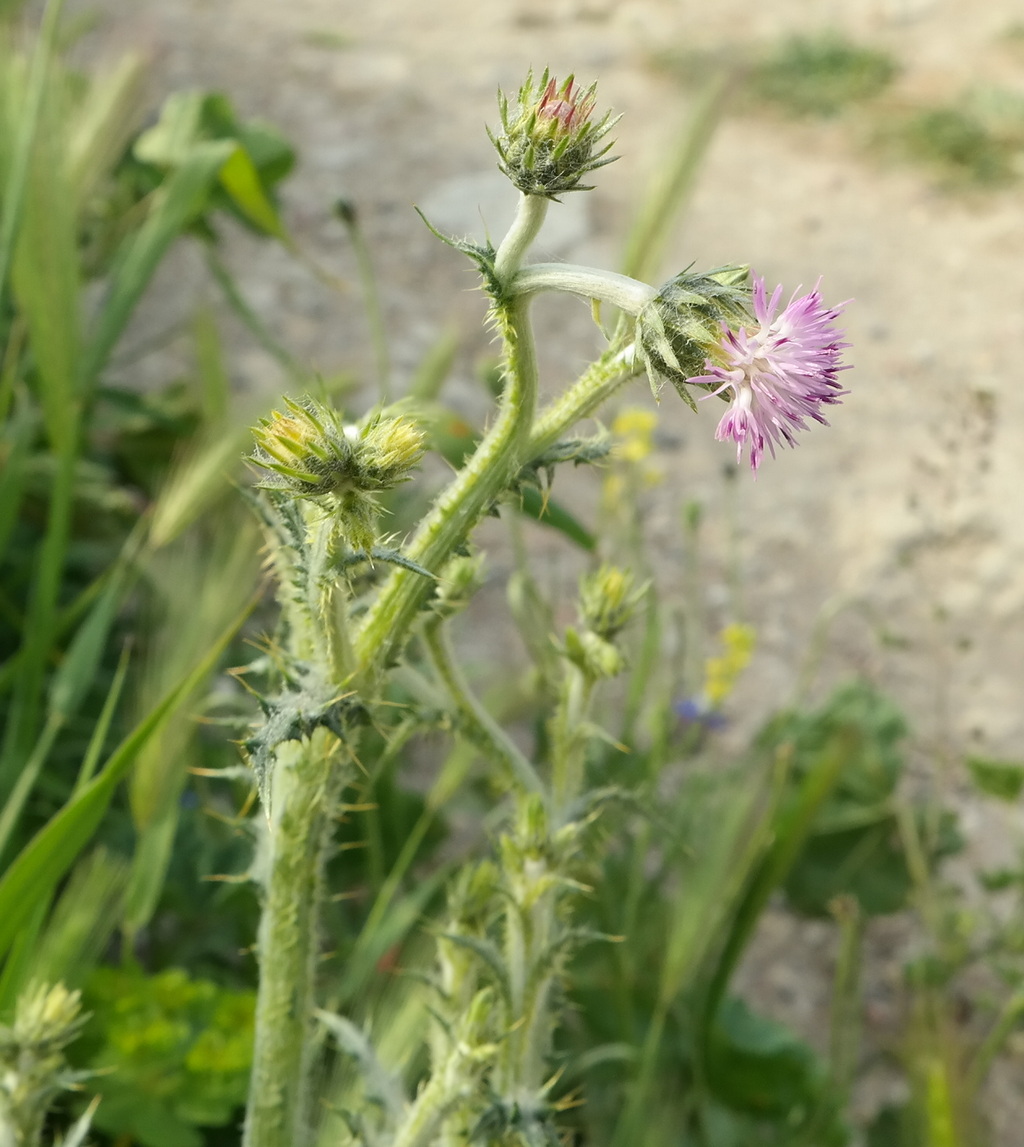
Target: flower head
[
  {"x": 781, "y": 373},
  {"x": 682, "y": 325},
  {"x": 549, "y": 141},
  {"x": 310, "y": 452}
]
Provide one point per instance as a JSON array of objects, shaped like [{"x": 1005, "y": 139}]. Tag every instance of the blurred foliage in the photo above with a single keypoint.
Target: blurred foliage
[
  {"x": 954, "y": 142},
  {"x": 171, "y": 1054},
  {"x": 820, "y": 76},
  {"x": 855, "y": 846},
  {"x": 800, "y": 76},
  {"x": 1002, "y": 779},
  {"x": 973, "y": 140}
]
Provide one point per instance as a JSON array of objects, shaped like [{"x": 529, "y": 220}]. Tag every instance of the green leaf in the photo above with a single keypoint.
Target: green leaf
[
  {"x": 46, "y": 278},
  {"x": 79, "y": 928},
  {"x": 1001, "y": 779},
  {"x": 22, "y": 129},
  {"x": 867, "y": 863},
  {"x": 758, "y": 1066},
  {"x": 552, "y": 514},
  {"x": 77, "y": 671},
  {"x": 260, "y": 156},
  {"x": 18, "y": 433},
  {"x": 240, "y": 179}
]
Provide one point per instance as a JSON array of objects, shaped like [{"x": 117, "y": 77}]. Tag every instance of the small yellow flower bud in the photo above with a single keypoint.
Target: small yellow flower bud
[
  {"x": 310, "y": 452},
  {"x": 608, "y": 600},
  {"x": 388, "y": 449}
]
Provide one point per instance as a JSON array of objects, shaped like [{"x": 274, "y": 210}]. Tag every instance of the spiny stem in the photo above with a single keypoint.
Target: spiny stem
[
  {"x": 307, "y": 782},
  {"x": 570, "y": 742},
  {"x": 594, "y": 387}
]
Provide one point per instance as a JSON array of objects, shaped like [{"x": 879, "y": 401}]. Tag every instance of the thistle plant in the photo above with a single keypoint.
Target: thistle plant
[{"x": 353, "y": 599}]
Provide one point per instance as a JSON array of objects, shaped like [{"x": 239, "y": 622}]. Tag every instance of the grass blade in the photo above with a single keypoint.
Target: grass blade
[
  {"x": 646, "y": 242},
  {"x": 24, "y": 132},
  {"x": 50, "y": 854},
  {"x": 175, "y": 205}
]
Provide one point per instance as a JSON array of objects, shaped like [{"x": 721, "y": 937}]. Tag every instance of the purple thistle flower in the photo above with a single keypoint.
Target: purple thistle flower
[{"x": 780, "y": 374}]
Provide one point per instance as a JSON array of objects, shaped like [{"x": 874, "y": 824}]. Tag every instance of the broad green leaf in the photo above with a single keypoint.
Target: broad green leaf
[
  {"x": 259, "y": 159},
  {"x": 170, "y": 141},
  {"x": 552, "y": 514},
  {"x": 759, "y": 1066}
]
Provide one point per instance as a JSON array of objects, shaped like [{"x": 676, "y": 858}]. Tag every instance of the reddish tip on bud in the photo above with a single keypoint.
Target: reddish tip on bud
[
  {"x": 548, "y": 142},
  {"x": 566, "y": 107}
]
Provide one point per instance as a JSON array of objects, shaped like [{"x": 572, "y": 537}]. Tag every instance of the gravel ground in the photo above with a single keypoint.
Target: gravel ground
[{"x": 898, "y": 527}]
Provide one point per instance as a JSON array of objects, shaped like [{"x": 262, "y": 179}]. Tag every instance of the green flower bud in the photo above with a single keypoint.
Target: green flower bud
[
  {"x": 388, "y": 450},
  {"x": 595, "y": 657},
  {"x": 681, "y": 328},
  {"x": 608, "y": 600},
  {"x": 33, "y": 1069},
  {"x": 311, "y": 453},
  {"x": 548, "y": 143},
  {"x": 459, "y": 581}
]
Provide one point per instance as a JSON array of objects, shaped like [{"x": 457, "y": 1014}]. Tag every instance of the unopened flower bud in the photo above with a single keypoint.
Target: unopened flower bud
[
  {"x": 595, "y": 657},
  {"x": 459, "y": 581},
  {"x": 33, "y": 1068},
  {"x": 389, "y": 448},
  {"x": 310, "y": 452},
  {"x": 682, "y": 325},
  {"x": 608, "y": 600},
  {"x": 548, "y": 142}
]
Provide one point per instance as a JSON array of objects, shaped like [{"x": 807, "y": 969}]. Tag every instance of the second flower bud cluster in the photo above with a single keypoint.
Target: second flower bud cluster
[{"x": 310, "y": 452}]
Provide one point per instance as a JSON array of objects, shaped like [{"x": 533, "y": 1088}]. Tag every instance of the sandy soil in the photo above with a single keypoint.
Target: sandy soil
[{"x": 902, "y": 526}]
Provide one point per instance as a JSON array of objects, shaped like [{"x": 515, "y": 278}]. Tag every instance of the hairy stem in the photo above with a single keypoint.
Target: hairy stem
[
  {"x": 525, "y": 228},
  {"x": 629, "y": 295},
  {"x": 306, "y": 785},
  {"x": 569, "y": 743},
  {"x": 593, "y": 388}
]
